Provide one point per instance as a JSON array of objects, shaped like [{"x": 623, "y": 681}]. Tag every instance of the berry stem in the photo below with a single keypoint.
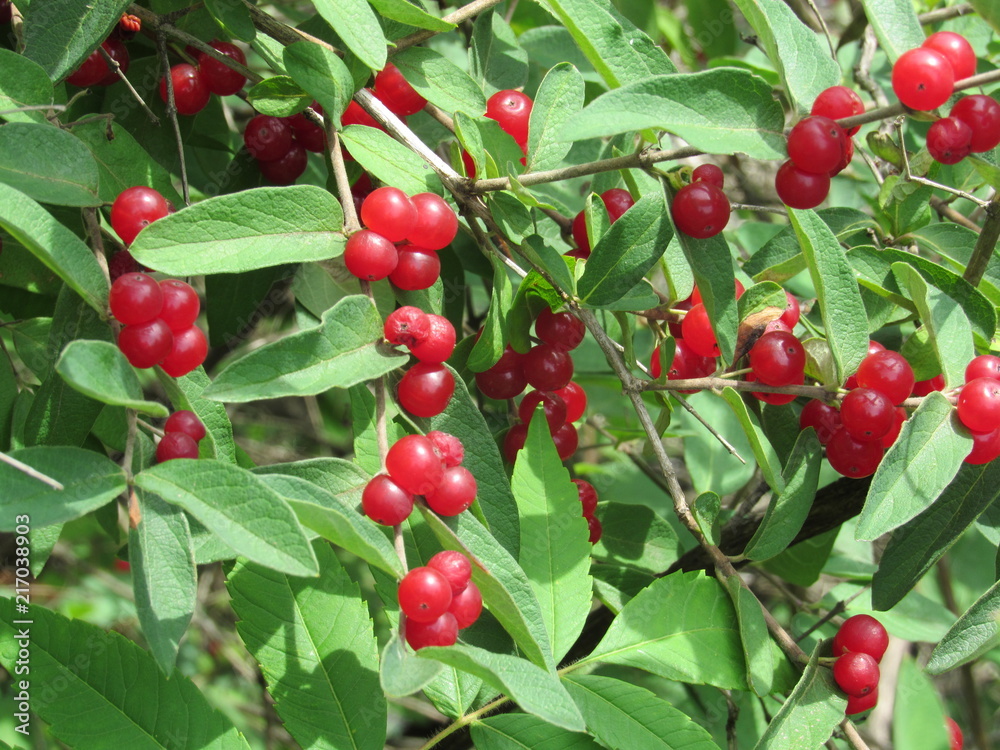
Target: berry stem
[
  {"x": 92, "y": 224},
  {"x": 161, "y": 48},
  {"x": 987, "y": 241},
  {"x": 715, "y": 433},
  {"x": 351, "y": 223},
  {"x": 898, "y": 125}
]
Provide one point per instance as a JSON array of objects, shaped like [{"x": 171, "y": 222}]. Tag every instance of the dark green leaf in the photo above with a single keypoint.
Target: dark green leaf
[
  {"x": 753, "y": 635},
  {"x": 488, "y": 349},
  {"x": 401, "y": 672},
  {"x": 515, "y": 731},
  {"x": 186, "y": 393},
  {"x": 705, "y": 509},
  {"x": 895, "y": 24},
  {"x": 59, "y": 34},
  {"x": 99, "y": 370},
  {"x": 23, "y": 83},
  {"x": 357, "y": 25},
  {"x": 616, "y": 585},
  {"x": 389, "y": 161},
  {"x": 234, "y": 18},
  {"x": 410, "y": 14},
  {"x": 122, "y": 162},
  {"x": 766, "y": 457},
  {"x": 976, "y": 632},
  {"x": 496, "y": 59},
  {"x": 560, "y": 97},
  {"x": 322, "y": 74},
  {"x": 279, "y": 96},
  {"x": 803, "y": 563},
  {"x": 636, "y": 537},
  {"x": 439, "y": 80}
]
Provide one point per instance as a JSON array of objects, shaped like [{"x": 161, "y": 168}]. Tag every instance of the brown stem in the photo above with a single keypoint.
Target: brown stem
[
  {"x": 464, "y": 13},
  {"x": 986, "y": 243},
  {"x": 113, "y": 63},
  {"x": 161, "y": 46},
  {"x": 945, "y": 210},
  {"x": 283, "y": 33},
  {"x": 351, "y": 223},
  {"x": 945, "y": 14}
]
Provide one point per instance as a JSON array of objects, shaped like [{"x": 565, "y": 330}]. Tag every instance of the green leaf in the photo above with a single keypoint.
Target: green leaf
[
  {"x": 343, "y": 350},
  {"x": 322, "y": 74},
  {"x": 111, "y": 692},
  {"x": 245, "y": 230},
  {"x": 540, "y": 253},
  {"x": 918, "y": 717},
  {"x": 788, "y": 510},
  {"x": 60, "y": 34},
  {"x": 516, "y": 731},
  {"x": 489, "y": 348},
  {"x": 8, "y": 397},
  {"x": 917, "y": 545},
  {"x": 496, "y": 59},
  {"x": 622, "y": 715},
  {"x": 234, "y": 18},
  {"x": 389, "y": 161},
  {"x": 48, "y": 164},
  {"x": 765, "y": 295},
  {"x": 619, "y": 51},
  {"x": 669, "y": 627},
  {"x": 636, "y": 537},
  {"x": 705, "y": 509},
  {"x": 800, "y": 55},
  {"x": 238, "y": 507},
  {"x": 616, "y": 585},
  {"x": 439, "y": 80},
  {"x": 410, "y": 14},
  {"x": 626, "y": 252},
  {"x": 23, "y": 83},
  {"x": 357, "y": 25},
  {"x": 315, "y": 644},
  {"x": 559, "y": 99},
  {"x": 916, "y": 469},
  {"x": 810, "y": 714},
  {"x": 506, "y": 591},
  {"x": 122, "y": 162},
  {"x": 99, "y": 370},
  {"x": 753, "y": 635},
  {"x": 164, "y": 576},
  {"x": 976, "y": 632},
  {"x": 89, "y": 481},
  {"x": 534, "y": 689},
  {"x": 844, "y": 317},
  {"x": 401, "y": 672},
  {"x": 895, "y": 24},
  {"x": 803, "y": 563},
  {"x": 54, "y": 245},
  {"x": 720, "y": 111},
  {"x": 767, "y": 458},
  {"x": 186, "y": 393},
  {"x": 555, "y": 546},
  {"x": 278, "y": 96},
  {"x": 988, "y": 11}
]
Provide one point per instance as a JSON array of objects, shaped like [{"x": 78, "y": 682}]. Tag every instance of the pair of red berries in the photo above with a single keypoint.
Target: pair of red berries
[
  {"x": 182, "y": 433},
  {"x": 158, "y": 323},
  {"x": 428, "y": 465},
  {"x": 194, "y": 84},
  {"x": 924, "y": 78},
  {"x": 973, "y": 127},
  {"x": 616, "y": 202},
  {"x": 588, "y": 503},
  {"x": 427, "y": 387},
  {"x": 859, "y": 646},
  {"x": 439, "y": 599},
  {"x": 512, "y": 112},
  {"x": 425, "y": 223},
  {"x": 700, "y": 209},
  {"x": 696, "y": 328}
]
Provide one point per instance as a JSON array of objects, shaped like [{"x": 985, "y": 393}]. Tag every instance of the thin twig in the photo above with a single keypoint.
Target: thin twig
[
  {"x": 464, "y": 13},
  {"x": 986, "y": 244},
  {"x": 33, "y": 473},
  {"x": 852, "y": 736},
  {"x": 161, "y": 46},
  {"x": 945, "y": 14},
  {"x": 93, "y": 226},
  {"x": 826, "y": 29},
  {"x": 715, "y": 433},
  {"x": 910, "y": 177},
  {"x": 441, "y": 116},
  {"x": 351, "y": 223},
  {"x": 33, "y": 108},
  {"x": 945, "y": 210},
  {"x": 135, "y": 94}
]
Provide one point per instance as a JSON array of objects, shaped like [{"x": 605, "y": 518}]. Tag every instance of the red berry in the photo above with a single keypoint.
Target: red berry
[
  {"x": 776, "y": 399},
  {"x": 949, "y": 140},
  {"x": 116, "y": 51},
  {"x": 416, "y": 268},
  {"x": 897, "y": 426},
  {"x": 554, "y": 406},
  {"x": 955, "y": 736},
  {"x": 982, "y": 114},
  {"x": 442, "y": 632},
  {"x": 219, "y": 77},
  {"x": 136, "y": 208},
  {"x": 135, "y": 298},
  {"x": 687, "y": 364},
  {"x": 187, "y": 422},
  {"x": 190, "y": 92},
  {"x": 867, "y": 414},
  {"x": 845, "y": 161},
  {"x": 696, "y": 330},
  {"x": 369, "y": 255},
  {"x": 823, "y": 418},
  {"x": 923, "y": 79},
  {"x": 176, "y": 445},
  {"x": 455, "y": 492},
  {"x": 925, "y": 387},
  {"x": 956, "y": 49},
  {"x": 448, "y": 447},
  {"x": 385, "y": 502},
  {"x": 588, "y": 496},
  {"x": 436, "y": 224},
  {"x": 800, "y": 189},
  {"x": 562, "y": 329},
  {"x": 566, "y": 441},
  {"x": 856, "y": 673},
  {"x": 288, "y": 168},
  {"x": 983, "y": 366},
  {"x": 580, "y": 232},
  {"x": 838, "y": 102},
  {"x": 414, "y": 465},
  {"x": 439, "y": 343},
  {"x": 887, "y": 372},
  {"x": 469, "y": 163},
  {"x": 576, "y": 400},
  {"x": 424, "y": 594},
  {"x": 395, "y": 93},
  {"x": 455, "y": 567},
  {"x": 514, "y": 440},
  {"x": 548, "y": 367},
  {"x": 709, "y": 173},
  {"x": 313, "y": 138},
  {"x": 425, "y": 389},
  {"x": 696, "y": 299},
  {"x": 817, "y": 145},
  {"x": 388, "y": 211},
  {"x": 467, "y": 605},
  {"x": 853, "y": 458},
  {"x": 188, "y": 352},
  {"x": 778, "y": 358},
  {"x": 862, "y": 634},
  {"x": 407, "y": 326},
  {"x": 356, "y": 115},
  {"x": 180, "y": 305},
  {"x": 267, "y": 138},
  {"x": 512, "y": 110},
  {"x": 617, "y": 201},
  {"x": 700, "y": 210},
  {"x": 864, "y": 703},
  {"x": 979, "y": 404},
  {"x": 501, "y": 383},
  {"x": 146, "y": 344},
  {"x": 790, "y": 317},
  {"x": 122, "y": 263},
  {"x": 596, "y": 529},
  {"x": 91, "y": 71}
]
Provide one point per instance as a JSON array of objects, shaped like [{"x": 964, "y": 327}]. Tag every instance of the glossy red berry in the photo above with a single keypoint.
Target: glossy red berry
[
  {"x": 617, "y": 201},
  {"x": 119, "y": 53},
  {"x": 596, "y": 529},
  {"x": 949, "y": 140},
  {"x": 416, "y": 268},
  {"x": 562, "y": 329},
  {"x": 455, "y": 567},
  {"x": 267, "y": 138},
  {"x": 823, "y": 418},
  {"x": 575, "y": 398},
  {"x": 838, "y": 102},
  {"x": 862, "y": 704},
  {"x": 135, "y": 208},
  {"x": 566, "y": 440},
  {"x": 923, "y": 79},
  {"x": 554, "y": 406},
  {"x": 448, "y": 447},
  {"x": 686, "y": 364},
  {"x": 853, "y": 458},
  {"x": 385, "y": 502},
  {"x": 394, "y": 92},
  {"x": 501, "y": 383},
  {"x": 817, "y": 144},
  {"x": 407, "y": 326},
  {"x": 439, "y": 342},
  {"x": 979, "y": 405},
  {"x": 956, "y": 49},
  {"x": 778, "y": 358},
  {"x": 700, "y": 210},
  {"x": 425, "y": 389},
  {"x": 790, "y": 317},
  {"x": 695, "y": 298},
  {"x": 191, "y": 95},
  {"x": 579, "y": 231},
  {"x": 863, "y": 634},
  {"x": 800, "y": 189},
  {"x": 188, "y": 352},
  {"x": 356, "y": 115},
  {"x": 776, "y": 399},
  {"x": 436, "y": 223},
  {"x": 696, "y": 330},
  {"x": 548, "y": 367},
  {"x": 983, "y": 366},
  {"x": 135, "y": 298},
  {"x": 709, "y": 173},
  {"x": 369, "y": 255},
  {"x": 219, "y": 77},
  {"x": 313, "y": 138},
  {"x": 888, "y": 372},
  {"x": 454, "y": 493},
  {"x": 982, "y": 114},
  {"x": 467, "y": 605},
  {"x": 845, "y": 161},
  {"x": 287, "y": 169},
  {"x": 187, "y": 422},
  {"x": 176, "y": 445},
  {"x": 442, "y": 632},
  {"x": 91, "y": 71},
  {"x": 926, "y": 387},
  {"x": 388, "y": 211},
  {"x": 897, "y": 426},
  {"x": 180, "y": 305},
  {"x": 588, "y": 496},
  {"x": 512, "y": 110},
  {"x": 514, "y": 440},
  {"x": 867, "y": 414},
  {"x": 146, "y": 344},
  {"x": 955, "y": 736},
  {"x": 424, "y": 594},
  {"x": 856, "y": 673},
  {"x": 414, "y": 465}
]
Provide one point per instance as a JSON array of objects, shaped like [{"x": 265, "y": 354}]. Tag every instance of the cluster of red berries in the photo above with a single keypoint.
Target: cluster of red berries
[
  {"x": 95, "y": 70},
  {"x": 616, "y": 201},
  {"x": 182, "y": 433},
  {"x": 279, "y": 144},
  {"x": 859, "y": 646},
  {"x": 979, "y": 408},
  {"x": 194, "y": 84},
  {"x": 818, "y": 149},
  {"x": 512, "y": 111},
  {"x": 439, "y": 599},
  {"x": 428, "y": 465},
  {"x": 588, "y": 503},
  {"x": 427, "y": 387},
  {"x": 924, "y": 78},
  {"x": 158, "y": 323},
  {"x": 972, "y": 128},
  {"x": 423, "y": 224},
  {"x": 700, "y": 209}
]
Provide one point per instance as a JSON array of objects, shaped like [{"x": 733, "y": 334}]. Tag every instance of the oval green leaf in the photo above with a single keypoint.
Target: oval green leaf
[{"x": 98, "y": 369}]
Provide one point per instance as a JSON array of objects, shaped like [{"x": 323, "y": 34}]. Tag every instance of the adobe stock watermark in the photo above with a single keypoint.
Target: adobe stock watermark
[{"x": 22, "y": 627}]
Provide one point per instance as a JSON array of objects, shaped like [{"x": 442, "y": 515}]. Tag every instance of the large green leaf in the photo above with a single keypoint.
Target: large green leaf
[
  {"x": 241, "y": 231},
  {"x": 98, "y": 369},
  {"x": 918, "y": 717},
  {"x": 767, "y": 457},
  {"x": 636, "y": 537},
  {"x": 555, "y": 550},
  {"x": 60, "y": 34},
  {"x": 975, "y": 633},
  {"x": 389, "y": 161},
  {"x": 23, "y": 83},
  {"x": 440, "y": 81},
  {"x": 89, "y": 481},
  {"x": 315, "y": 644},
  {"x": 496, "y": 59},
  {"x": 411, "y": 14},
  {"x": 516, "y": 731},
  {"x": 238, "y": 507},
  {"x": 49, "y": 164},
  {"x": 401, "y": 672},
  {"x": 345, "y": 349},
  {"x": 122, "y": 162},
  {"x": 322, "y": 74},
  {"x": 560, "y": 97},
  {"x": 896, "y": 25},
  {"x": 754, "y": 636},
  {"x": 357, "y": 24},
  {"x": 111, "y": 692},
  {"x": 720, "y": 111}
]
